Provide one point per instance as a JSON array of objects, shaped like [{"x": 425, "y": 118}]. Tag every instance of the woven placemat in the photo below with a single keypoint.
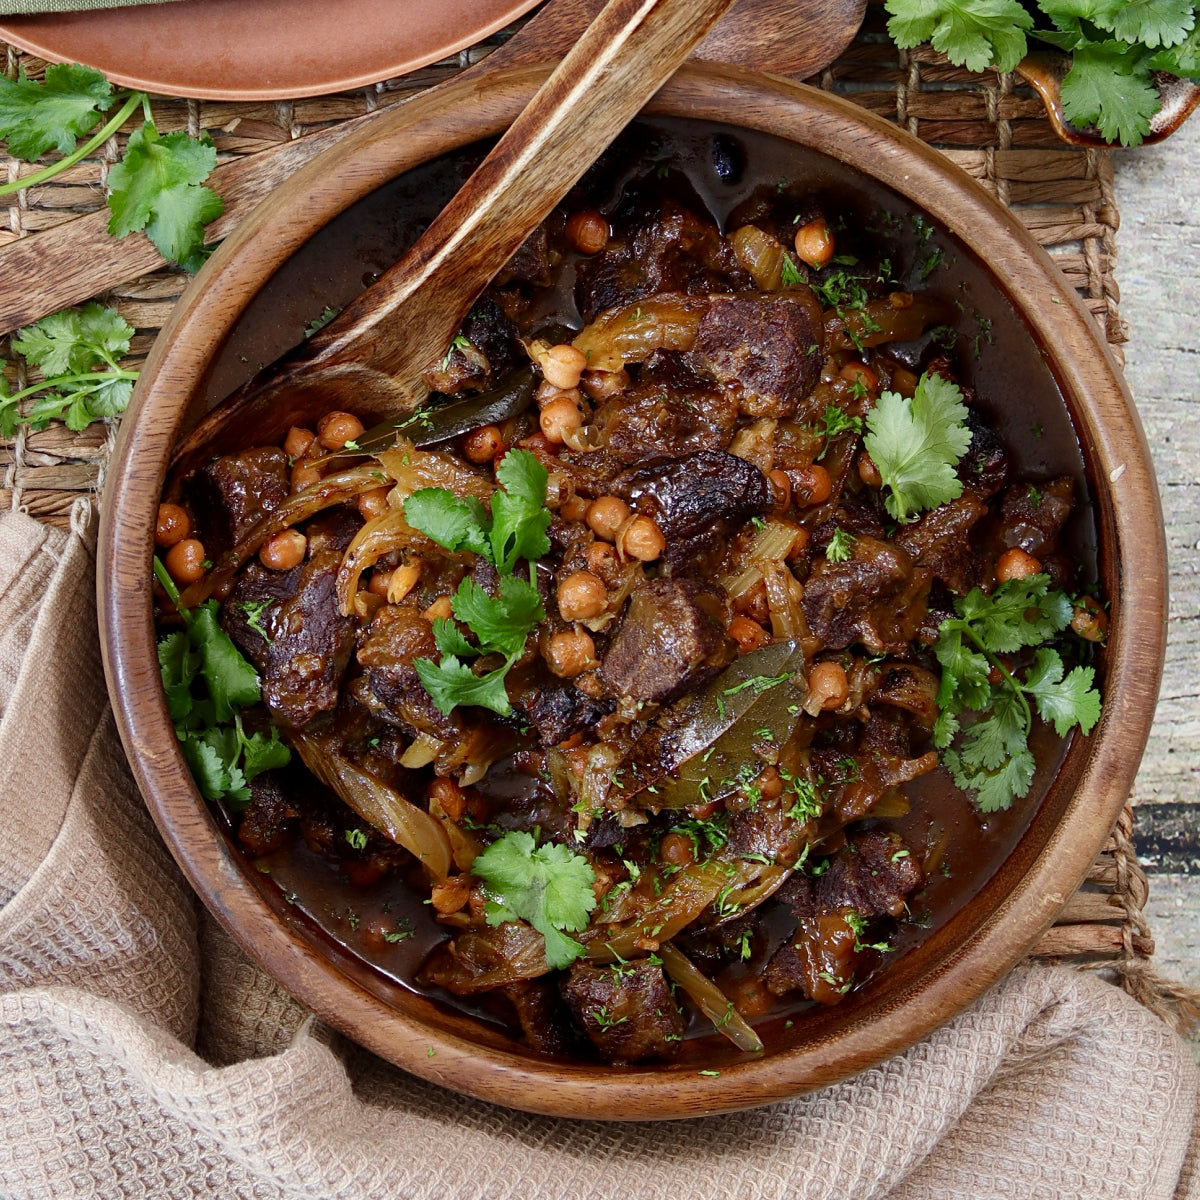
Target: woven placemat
[{"x": 991, "y": 126}]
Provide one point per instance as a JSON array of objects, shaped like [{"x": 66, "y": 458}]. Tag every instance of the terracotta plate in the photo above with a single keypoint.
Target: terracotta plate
[{"x": 264, "y": 49}]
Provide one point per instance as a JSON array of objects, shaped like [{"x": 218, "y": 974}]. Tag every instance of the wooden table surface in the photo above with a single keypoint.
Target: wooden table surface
[{"x": 1158, "y": 269}]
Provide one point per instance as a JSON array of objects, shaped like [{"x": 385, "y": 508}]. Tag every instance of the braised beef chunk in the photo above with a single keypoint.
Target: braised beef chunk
[
  {"x": 649, "y": 420},
  {"x": 940, "y": 541},
  {"x": 766, "y": 831},
  {"x": 560, "y": 710},
  {"x": 696, "y": 500},
  {"x": 1032, "y": 517},
  {"x": 531, "y": 263},
  {"x": 672, "y": 638},
  {"x": 766, "y": 351},
  {"x": 657, "y": 246},
  {"x": 874, "y": 597},
  {"x": 311, "y": 647},
  {"x": 543, "y": 1019},
  {"x": 984, "y": 468},
  {"x": 270, "y": 820},
  {"x": 231, "y": 494},
  {"x": 333, "y": 529},
  {"x": 397, "y": 637},
  {"x": 872, "y": 875},
  {"x": 627, "y": 1010},
  {"x": 247, "y": 612}
]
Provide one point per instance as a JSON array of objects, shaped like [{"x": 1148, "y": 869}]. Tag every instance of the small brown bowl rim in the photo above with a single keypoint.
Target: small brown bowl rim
[{"x": 1133, "y": 566}]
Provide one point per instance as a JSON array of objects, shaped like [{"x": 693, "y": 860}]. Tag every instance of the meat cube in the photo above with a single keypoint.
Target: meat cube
[
  {"x": 873, "y": 874},
  {"x": 544, "y": 1021},
  {"x": 984, "y": 468},
  {"x": 766, "y": 351},
  {"x": 671, "y": 639},
  {"x": 695, "y": 501},
  {"x": 1032, "y": 517},
  {"x": 874, "y": 597},
  {"x": 230, "y": 495},
  {"x": 311, "y": 646},
  {"x": 561, "y": 709},
  {"x": 648, "y": 420},
  {"x": 627, "y": 1010},
  {"x": 940, "y": 541},
  {"x": 270, "y": 820},
  {"x": 396, "y": 638},
  {"x": 247, "y": 612}
]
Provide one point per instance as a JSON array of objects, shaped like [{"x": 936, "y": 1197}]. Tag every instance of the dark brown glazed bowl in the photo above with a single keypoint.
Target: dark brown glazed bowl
[{"x": 1046, "y": 344}]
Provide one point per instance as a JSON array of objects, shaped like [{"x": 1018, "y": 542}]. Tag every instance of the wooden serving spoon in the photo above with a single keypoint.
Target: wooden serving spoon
[
  {"x": 373, "y": 357},
  {"x": 77, "y": 259}
]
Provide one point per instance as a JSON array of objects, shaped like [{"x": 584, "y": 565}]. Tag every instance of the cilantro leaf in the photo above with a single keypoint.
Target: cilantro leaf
[
  {"x": 1109, "y": 86},
  {"x": 261, "y": 753},
  {"x": 450, "y": 640},
  {"x": 994, "y": 790},
  {"x": 1151, "y": 22},
  {"x": 451, "y": 683},
  {"x": 75, "y": 340},
  {"x": 1182, "y": 60},
  {"x": 453, "y": 523},
  {"x": 1020, "y": 612},
  {"x": 840, "y": 546},
  {"x": 520, "y": 517},
  {"x": 504, "y": 622},
  {"x": 36, "y": 117},
  {"x": 549, "y": 886},
  {"x": 178, "y": 664},
  {"x": 1066, "y": 702},
  {"x": 917, "y": 443},
  {"x": 232, "y": 681},
  {"x": 971, "y": 33},
  {"x": 158, "y": 187}
]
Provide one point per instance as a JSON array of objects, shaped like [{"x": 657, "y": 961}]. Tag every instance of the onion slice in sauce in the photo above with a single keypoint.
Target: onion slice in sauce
[{"x": 710, "y": 1000}]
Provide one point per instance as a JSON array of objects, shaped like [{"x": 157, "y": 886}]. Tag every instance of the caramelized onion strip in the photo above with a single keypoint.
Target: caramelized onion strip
[{"x": 710, "y": 1000}]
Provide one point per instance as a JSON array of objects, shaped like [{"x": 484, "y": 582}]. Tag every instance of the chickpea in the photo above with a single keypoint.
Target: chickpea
[
  {"x": 799, "y": 545},
  {"x": 304, "y": 475},
  {"x": 185, "y": 561},
  {"x": 677, "y": 849},
  {"x": 337, "y": 428},
  {"x": 602, "y": 559},
  {"x": 284, "y": 550},
  {"x": 559, "y": 418},
  {"x": 642, "y": 540},
  {"x": 606, "y": 515},
  {"x": 547, "y": 392},
  {"x": 366, "y": 605},
  {"x": 172, "y": 526},
  {"x": 563, "y": 366},
  {"x": 814, "y": 242},
  {"x": 748, "y": 634},
  {"x": 440, "y": 610},
  {"x": 828, "y": 688},
  {"x": 448, "y": 796},
  {"x": 373, "y": 503},
  {"x": 1090, "y": 620},
  {"x": 781, "y": 491},
  {"x": 587, "y": 231},
  {"x": 377, "y": 585},
  {"x": 1016, "y": 564},
  {"x": 298, "y": 442},
  {"x": 450, "y": 895},
  {"x": 751, "y": 997},
  {"x": 403, "y": 579},
  {"x": 770, "y": 785},
  {"x": 856, "y": 372},
  {"x": 581, "y": 596},
  {"x": 570, "y": 653},
  {"x": 573, "y": 508},
  {"x": 868, "y": 472},
  {"x": 810, "y": 485},
  {"x": 604, "y": 385},
  {"x": 483, "y": 444}
]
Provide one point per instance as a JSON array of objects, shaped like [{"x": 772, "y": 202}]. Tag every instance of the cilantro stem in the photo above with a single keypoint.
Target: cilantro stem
[
  {"x": 164, "y": 577},
  {"x": 1010, "y": 678},
  {"x": 59, "y": 380},
  {"x": 102, "y": 135}
]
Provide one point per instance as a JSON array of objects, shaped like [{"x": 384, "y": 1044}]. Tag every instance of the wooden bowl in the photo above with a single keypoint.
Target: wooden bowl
[{"x": 250, "y": 302}]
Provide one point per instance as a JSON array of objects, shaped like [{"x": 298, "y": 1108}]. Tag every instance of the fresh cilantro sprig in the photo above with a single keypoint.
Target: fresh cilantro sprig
[
  {"x": 992, "y": 756},
  {"x": 834, "y": 422},
  {"x": 158, "y": 185},
  {"x": 1114, "y": 47},
  {"x": 840, "y": 546},
  {"x": 208, "y": 683},
  {"x": 513, "y": 531},
  {"x": 917, "y": 443},
  {"x": 549, "y": 886},
  {"x": 78, "y": 352}
]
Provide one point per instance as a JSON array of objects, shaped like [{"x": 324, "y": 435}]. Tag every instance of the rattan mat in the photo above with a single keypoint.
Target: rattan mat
[{"x": 991, "y": 126}]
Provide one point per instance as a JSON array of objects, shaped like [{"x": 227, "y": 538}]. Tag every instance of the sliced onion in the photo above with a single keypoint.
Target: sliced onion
[
  {"x": 761, "y": 255},
  {"x": 771, "y": 546},
  {"x": 632, "y": 332},
  {"x": 379, "y": 805},
  {"x": 413, "y": 469},
  {"x": 710, "y": 1000}
]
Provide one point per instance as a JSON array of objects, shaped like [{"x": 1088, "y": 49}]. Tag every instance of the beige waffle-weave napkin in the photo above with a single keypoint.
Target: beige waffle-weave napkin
[
  {"x": 141, "y": 1055},
  {"x": 18, "y": 8}
]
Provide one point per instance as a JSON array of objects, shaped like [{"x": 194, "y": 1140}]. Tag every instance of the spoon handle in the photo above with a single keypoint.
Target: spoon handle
[{"x": 401, "y": 326}]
